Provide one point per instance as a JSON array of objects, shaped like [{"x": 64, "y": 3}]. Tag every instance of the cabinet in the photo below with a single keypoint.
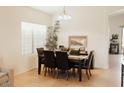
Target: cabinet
[{"x": 114, "y": 48}]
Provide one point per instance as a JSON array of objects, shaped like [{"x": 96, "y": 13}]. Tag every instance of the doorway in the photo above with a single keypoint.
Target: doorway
[{"x": 115, "y": 23}]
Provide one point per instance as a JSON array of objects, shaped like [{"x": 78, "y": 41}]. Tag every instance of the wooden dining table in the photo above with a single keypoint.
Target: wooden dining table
[{"x": 79, "y": 59}]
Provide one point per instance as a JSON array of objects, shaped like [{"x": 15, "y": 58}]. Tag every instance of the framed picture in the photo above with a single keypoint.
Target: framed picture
[{"x": 77, "y": 41}]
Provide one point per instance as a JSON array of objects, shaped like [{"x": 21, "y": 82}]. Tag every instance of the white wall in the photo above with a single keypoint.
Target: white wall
[
  {"x": 92, "y": 22},
  {"x": 10, "y": 36}
]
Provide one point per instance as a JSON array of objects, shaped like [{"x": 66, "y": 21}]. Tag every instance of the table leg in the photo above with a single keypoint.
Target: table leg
[
  {"x": 39, "y": 67},
  {"x": 80, "y": 74}
]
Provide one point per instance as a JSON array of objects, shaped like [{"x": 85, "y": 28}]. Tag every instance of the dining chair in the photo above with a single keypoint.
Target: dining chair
[
  {"x": 62, "y": 62},
  {"x": 92, "y": 61},
  {"x": 86, "y": 64},
  {"x": 73, "y": 52},
  {"x": 82, "y": 51},
  {"x": 40, "y": 58},
  {"x": 50, "y": 63}
]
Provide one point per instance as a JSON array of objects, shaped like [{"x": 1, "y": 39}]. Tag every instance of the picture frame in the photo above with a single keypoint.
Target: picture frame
[{"x": 77, "y": 41}]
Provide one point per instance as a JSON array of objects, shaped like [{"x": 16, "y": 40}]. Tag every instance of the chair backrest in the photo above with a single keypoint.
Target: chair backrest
[
  {"x": 40, "y": 51},
  {"x": 49, "y": 59},
  {"x": 74, "y": 52},
  {"x": 62, "y": 61},
  {"x": 82, "y": 51},
  {"x": 40, "y": 55},
  {"x": 92, "y": 61},
  {"x": 90, "y": 57}
]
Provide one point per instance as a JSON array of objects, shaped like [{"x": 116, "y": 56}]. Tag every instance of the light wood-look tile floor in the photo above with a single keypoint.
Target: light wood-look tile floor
[{"x": 100, "y": 78}]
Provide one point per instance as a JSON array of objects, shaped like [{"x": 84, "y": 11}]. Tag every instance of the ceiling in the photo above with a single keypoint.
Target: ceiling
[{"x": 52, "y": 10}]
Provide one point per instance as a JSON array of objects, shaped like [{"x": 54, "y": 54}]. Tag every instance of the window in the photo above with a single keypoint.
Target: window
[{"x": 33, "y": 36}]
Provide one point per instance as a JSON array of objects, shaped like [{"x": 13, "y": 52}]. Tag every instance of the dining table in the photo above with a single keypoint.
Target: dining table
[{"x": 78, "y": 59}]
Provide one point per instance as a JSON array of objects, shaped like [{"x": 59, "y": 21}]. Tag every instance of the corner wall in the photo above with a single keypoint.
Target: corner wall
[{"x": 10, "y": 36}]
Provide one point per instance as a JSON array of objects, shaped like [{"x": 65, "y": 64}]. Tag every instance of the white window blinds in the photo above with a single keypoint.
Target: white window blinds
[{"x": 33, "y": 36}]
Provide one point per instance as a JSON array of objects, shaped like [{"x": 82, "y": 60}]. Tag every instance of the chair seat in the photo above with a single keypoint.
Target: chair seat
[{"x": 77, "y": 65}]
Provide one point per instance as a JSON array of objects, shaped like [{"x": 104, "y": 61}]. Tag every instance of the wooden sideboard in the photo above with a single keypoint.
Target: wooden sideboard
[{"x": 114, "y": 48}]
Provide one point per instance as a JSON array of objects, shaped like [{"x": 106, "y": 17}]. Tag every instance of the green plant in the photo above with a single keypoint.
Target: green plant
[
  {"x": 52, "y": 38},
  {"x": 114, "y": 36}
]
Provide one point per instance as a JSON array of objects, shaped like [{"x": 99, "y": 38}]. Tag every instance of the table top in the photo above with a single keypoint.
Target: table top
[
  {"x": 74, "y": 57},
  {"x": 78, "y": 57}
]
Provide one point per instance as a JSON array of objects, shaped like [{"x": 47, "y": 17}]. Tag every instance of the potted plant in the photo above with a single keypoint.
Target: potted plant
[
  {"x": 52, "y": 38},
  {"x": 114, "y": 38}
]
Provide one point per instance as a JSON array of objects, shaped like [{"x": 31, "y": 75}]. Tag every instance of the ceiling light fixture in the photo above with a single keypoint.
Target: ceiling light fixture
[{"x": 64, "y": 16}]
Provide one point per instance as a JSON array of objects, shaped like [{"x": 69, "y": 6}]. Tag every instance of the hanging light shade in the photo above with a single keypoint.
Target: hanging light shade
[{"x": 64, "y": 16}]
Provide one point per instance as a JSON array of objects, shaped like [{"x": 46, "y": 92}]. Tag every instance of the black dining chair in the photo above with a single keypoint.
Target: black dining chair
[
  {"x": 86, "y": 64},
  {"x": 73, "y": 52},
  {"x": 62, "y": 62},
  {"x": 82, "y": 51},
  {"x": 50, "y": 63},
  {"x": 40, "y": 58}
]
